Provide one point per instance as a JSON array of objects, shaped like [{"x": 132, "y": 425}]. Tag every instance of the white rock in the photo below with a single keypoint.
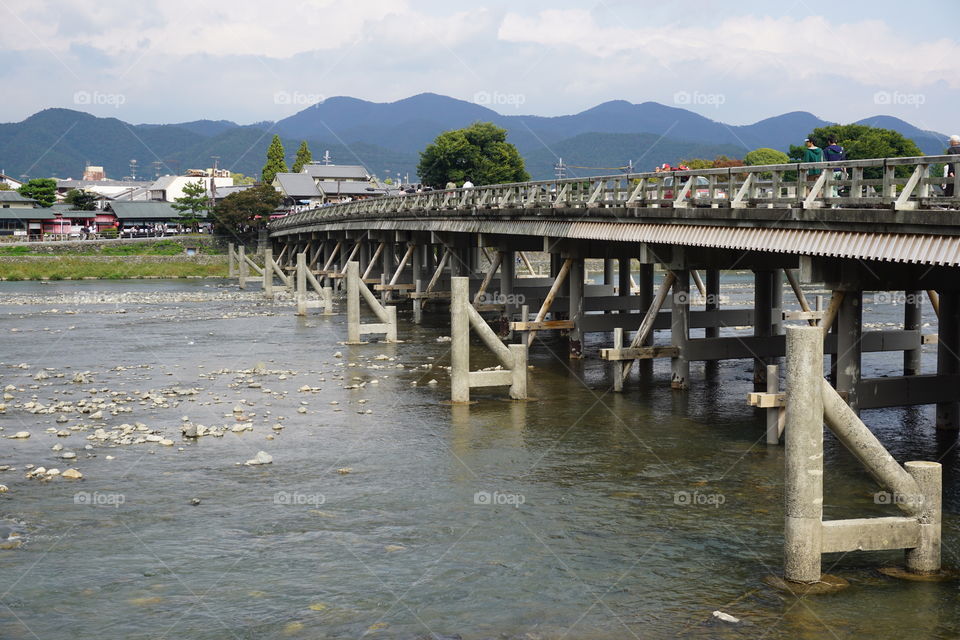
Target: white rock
[
  {"x": 72, "y": 474},
  {"x": 262, "y": 457},
  {"x": 4, "y": 488},
  {"x": 68, "y": 455},
  {"x": 726, "y": 617},
  {"x": 20, "y": 435}
]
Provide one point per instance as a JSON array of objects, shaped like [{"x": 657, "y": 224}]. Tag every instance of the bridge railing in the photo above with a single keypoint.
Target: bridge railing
[{"x": 899, "y": 183}]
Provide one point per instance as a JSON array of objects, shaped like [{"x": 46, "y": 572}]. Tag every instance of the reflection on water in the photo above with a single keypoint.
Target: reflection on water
[{"x": 579, "y": 514}]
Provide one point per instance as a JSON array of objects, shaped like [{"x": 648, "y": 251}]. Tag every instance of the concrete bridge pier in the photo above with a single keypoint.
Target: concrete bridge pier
[
  {"x": 680, "y": 329},
  {"x": 948, "y": 360},
  {"x": 849, "y": 347},
  {"x": 763, "y": 322},
  {"x": 508, "y": 274},
  {"x": 912, "y": 321},
  {"x": 575, "y": 282},
  {"x": 624, "y": 284},
  {"x": 712, "y": 283}
]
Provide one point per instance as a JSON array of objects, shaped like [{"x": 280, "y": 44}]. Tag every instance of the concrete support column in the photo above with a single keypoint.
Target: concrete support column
[
  {"x": 680, "y": 329},
  {"x": 508, "y": 272},
  {"x": 803, "y": 473},
  {"x": 645, "y": 296},
  {"x": 268, "y": 273},
  {"x": 459, "y": 340},
  {"x": 608, "y": 269},
  {"x": 556, "y": 261},
  {"x": 417, "y": 272},
  {"x": 948, "y": 361},
  {"x": 849, "y": 334},
  {"x": 925, "y": 557},
  {"x": 575, "y": 308},
  {"x": 713, "y": 299},
  {"x": 623, "y": 279},
  {"x": 244, "y": 267},
  {"x": 386, "y": 260},
  {"x": 912, "y": 321},
  {"x": 364, "y": 258},
  {"x": 777, "y": 301},
  {"x": 763, "y": 321}
]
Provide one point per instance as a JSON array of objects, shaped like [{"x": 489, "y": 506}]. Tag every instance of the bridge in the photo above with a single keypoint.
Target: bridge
[{"x": 890, "y": 226}]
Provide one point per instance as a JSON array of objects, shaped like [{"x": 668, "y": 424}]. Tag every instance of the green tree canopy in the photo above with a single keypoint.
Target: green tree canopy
[
  {"x": 239, "y": 178},
  {"x": 242, "y": 212},
  {"x": 862, "y": 142},
  {"x": 81, "y": 200},
  {"x": 479, "y": 153},
  {"x": 4, "y": 186},
  {"x": 765, "y": 155},
  {"x": 276, "y": 162},
  {"x": 193, "y": 204},
  {"x": 304, "y": 157},
  {"x": 43, "y": 190}
]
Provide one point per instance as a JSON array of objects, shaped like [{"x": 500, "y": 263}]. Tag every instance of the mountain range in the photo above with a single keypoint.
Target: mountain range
[{"x": 386, "y": 138}]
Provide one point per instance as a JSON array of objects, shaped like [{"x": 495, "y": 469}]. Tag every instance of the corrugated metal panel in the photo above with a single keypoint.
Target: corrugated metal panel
[{"x": 888, "y": 247}]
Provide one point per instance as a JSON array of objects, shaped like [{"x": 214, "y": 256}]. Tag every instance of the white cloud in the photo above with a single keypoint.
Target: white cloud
[{"x": 770, "y": 50}]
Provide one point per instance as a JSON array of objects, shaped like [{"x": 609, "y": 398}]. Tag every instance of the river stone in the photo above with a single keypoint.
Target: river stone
[
  {"x": 68, "y": 455},
  {"x": 262, "y": 457},
  {"x": 20, "y": 435},
  {"x": 72, "y": 474}
]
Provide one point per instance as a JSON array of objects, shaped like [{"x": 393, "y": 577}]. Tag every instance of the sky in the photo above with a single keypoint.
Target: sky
[{"x": 164, "y": 61}]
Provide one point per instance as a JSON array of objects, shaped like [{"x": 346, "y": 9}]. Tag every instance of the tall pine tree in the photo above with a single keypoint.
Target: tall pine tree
[
  {"x": 304, "y": 157},
  {"x": 276, "y": 163}
]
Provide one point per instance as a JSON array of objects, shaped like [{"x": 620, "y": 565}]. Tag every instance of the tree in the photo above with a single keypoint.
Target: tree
[
  {"x": 765, "y": 155},
  {"x": 240, "y": 213},
  {"x": 4, "y": 186},
  {"x": 862, "y": 142},
  {"x": 193, "y": 204},
  {"x": 479, "y": 153},
  {"x": 276, "y": 162},
  {"x": 722, "y": 162},
  {"x": 43, "y": 190},
  {"x": 303, "y": 157},
  {"x": 239, "y": 178},
  {"x": 81, "y": 200}
]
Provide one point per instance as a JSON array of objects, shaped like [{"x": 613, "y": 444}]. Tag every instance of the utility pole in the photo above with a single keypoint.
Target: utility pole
[{"x": 560, "y": 169}]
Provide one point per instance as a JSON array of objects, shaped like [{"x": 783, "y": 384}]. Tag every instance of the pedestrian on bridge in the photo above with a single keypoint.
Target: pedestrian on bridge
[
  {"x": 954, "y": 149},
  {"x": 834, "y": 152},
  {"x": 812, "y": 153}
]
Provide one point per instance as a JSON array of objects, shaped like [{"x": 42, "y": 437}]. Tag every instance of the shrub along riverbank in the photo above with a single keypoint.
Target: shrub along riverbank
[{"x": 111, "y": 267}]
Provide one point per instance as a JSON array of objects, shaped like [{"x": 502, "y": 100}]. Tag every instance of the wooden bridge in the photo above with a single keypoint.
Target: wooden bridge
[{"x": 890, "y": 226}]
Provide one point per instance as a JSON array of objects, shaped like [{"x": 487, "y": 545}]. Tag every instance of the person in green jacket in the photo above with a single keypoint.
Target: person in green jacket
[{"x": 812, "y": 153}]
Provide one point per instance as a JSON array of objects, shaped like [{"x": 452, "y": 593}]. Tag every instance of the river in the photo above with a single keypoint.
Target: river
[{"x": 387, "y": 513}]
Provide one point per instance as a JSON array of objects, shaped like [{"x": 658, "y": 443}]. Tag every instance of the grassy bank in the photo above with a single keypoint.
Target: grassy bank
[
  {"x": 157, "y": 247},
  {"x": 76, "y": 268}
]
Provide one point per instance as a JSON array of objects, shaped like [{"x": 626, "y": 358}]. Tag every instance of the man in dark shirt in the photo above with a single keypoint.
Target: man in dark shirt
[
  {"x": 951, "y": 168},
  {"x": 831, "y": 152}
]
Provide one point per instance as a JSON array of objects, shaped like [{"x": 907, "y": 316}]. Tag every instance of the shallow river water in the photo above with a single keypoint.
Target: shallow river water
[{"x": 387, "y": 513}]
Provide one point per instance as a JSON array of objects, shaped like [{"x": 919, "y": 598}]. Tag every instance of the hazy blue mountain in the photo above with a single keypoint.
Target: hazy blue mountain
[
  {"x": 59, "y": 142},
  {"x": 594, "y": 154},
  {"x": 207, "y": 128},
  {"x": 387, "y": 137}
]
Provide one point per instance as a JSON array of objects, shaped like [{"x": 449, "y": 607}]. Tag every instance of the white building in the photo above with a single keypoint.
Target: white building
[{"x": 169, "y": 188}]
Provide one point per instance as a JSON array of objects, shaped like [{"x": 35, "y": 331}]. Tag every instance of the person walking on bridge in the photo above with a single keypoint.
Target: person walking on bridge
[
  {"x": 812, "y": 153},
  {"x": 834, "y": 152},
  {"x": 952, "y": 168}
]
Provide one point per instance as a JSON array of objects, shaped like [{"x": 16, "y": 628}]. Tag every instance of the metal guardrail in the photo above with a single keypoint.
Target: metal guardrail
[{"x": 903, "y": 184}]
